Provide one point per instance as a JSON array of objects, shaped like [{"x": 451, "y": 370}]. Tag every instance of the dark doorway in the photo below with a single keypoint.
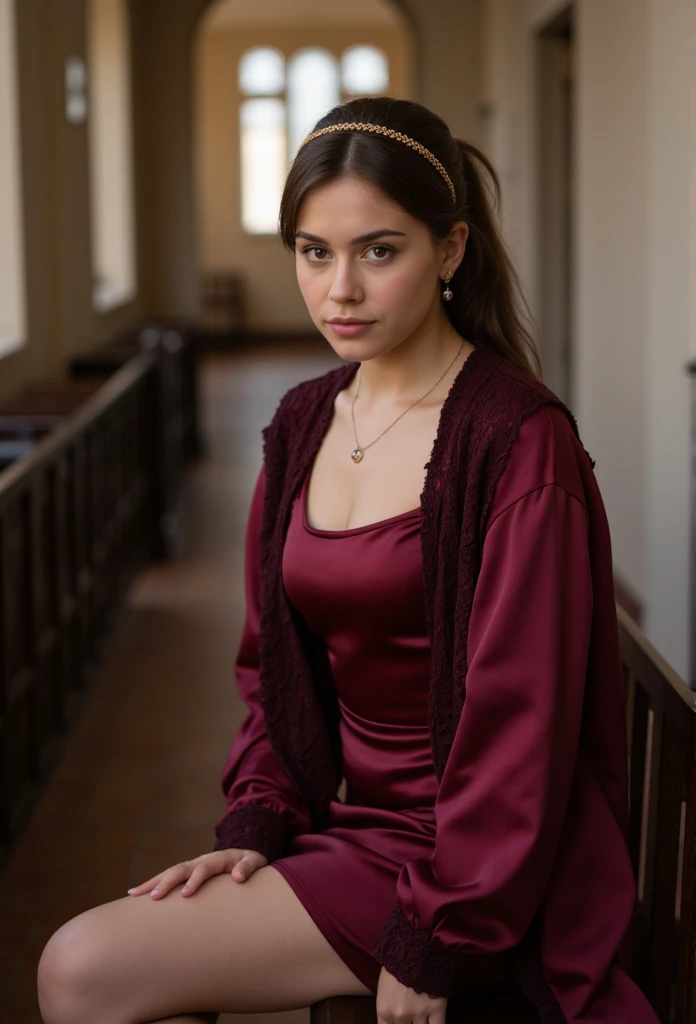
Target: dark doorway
[{"x": 556, "y": 200}]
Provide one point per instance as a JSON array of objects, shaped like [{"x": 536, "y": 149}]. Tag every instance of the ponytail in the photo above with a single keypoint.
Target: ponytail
[{"x": 488, "y": 301}]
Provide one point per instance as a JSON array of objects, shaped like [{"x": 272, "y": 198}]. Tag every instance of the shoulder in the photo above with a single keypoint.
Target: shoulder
[
  {"x": 546, "y": 451},
  {"x": 314, "y": 387},
  {"x": 523, "y": 433},
  {"x": 300, "y": 403}
]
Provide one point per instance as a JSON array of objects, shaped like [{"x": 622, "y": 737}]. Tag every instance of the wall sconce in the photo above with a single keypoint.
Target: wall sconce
[{"x": 75, "y": 90}]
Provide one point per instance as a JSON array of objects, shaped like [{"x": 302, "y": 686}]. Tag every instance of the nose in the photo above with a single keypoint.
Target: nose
[{"x": 345, "y": 284}]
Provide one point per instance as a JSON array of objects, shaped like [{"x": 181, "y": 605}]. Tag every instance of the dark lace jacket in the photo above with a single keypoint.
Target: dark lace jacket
[{"x": 291, "y": 740}]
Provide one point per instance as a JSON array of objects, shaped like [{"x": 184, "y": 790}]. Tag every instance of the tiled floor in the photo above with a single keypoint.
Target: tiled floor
[{"x": 137, "y": 787}]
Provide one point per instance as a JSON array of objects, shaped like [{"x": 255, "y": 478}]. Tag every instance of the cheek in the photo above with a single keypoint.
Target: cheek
[
  {"x": 403, "y": 282},
  {"x": 309, "y": 284},
  {"x": 408, "y": 293}
]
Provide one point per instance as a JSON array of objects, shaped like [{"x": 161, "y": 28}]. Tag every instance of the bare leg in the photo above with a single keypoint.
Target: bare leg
[
  {"x": 188, "y": 1019},
  {"x": 192, "y": 1018},
  {"x": 237, "y": 948}
]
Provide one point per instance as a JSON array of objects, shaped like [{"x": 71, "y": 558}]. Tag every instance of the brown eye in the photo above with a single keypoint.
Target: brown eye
[
  {"x": 314, "y": 248},
  {"x": 383, "y": 249}
]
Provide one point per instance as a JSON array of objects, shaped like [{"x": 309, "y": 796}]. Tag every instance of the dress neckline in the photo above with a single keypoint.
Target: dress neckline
[{"x": 413, "y": 513}]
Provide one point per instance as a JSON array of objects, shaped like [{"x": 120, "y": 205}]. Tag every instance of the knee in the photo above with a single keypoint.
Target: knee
[{"x": 68, "y": 973}]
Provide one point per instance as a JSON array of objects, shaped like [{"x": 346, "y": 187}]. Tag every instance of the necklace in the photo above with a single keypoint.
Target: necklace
[{"x": 359, "y": 450}]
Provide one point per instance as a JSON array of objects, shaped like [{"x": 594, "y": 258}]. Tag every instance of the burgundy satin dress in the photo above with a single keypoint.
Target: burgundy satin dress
[{"x": 362, "y": 591}]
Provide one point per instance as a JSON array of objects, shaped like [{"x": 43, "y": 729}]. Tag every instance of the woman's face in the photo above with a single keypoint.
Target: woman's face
[{"x": 360, "y": 256}]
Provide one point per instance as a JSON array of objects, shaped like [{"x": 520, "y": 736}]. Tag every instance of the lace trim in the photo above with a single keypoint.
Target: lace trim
[
  {"x": 416, "y": 959},
  {"x": 302, "y": 716},
  {"x": 425, "y": 965},
  {"x": 254, "y": 827}
]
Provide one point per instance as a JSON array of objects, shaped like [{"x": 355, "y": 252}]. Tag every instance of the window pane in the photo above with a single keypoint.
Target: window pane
[
  {"x": 262, "y": 72},
  {"x": 110, "y": 167},
  {"x": 12, "y": 300},
  {"x": 313, "y": 89},
  {"x": 364, "y": 69},
  {"x": 264, "y": 163}
]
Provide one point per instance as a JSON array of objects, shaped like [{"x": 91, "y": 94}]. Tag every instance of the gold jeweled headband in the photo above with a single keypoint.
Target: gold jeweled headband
[{"x": 363, "y": 126}]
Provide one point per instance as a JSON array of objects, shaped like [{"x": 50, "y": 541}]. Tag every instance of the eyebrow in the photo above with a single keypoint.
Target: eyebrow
[{"x": 381, "y": 233}]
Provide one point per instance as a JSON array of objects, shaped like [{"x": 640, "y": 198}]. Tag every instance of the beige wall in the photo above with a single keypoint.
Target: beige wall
[
  {"x": 54, "y": 153},
  {"x": 671, "y": 32},
  {"x": 611, "y": 331},
  {"x": 633, "y": 324},
  {"x": 273, "y": 298}
]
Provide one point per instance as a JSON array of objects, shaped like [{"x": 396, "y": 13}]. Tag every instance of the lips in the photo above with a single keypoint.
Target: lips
[{"x": 349, "y": 329}]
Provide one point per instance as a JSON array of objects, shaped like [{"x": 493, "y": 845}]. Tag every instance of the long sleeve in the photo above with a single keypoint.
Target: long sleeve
[
  {"x": 502, "y": 799},
  {"x": 264, "y": 807}
]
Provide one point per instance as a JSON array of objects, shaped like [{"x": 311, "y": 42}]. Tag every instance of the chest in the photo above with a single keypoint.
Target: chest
[{"x": 388, "y": 481}]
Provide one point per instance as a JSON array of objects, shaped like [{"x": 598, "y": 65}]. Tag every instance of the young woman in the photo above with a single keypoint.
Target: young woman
[{"x": 430, "y": 621}]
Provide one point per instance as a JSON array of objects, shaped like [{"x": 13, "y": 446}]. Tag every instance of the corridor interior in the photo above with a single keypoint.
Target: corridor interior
[{"x": 137, "y": 787}]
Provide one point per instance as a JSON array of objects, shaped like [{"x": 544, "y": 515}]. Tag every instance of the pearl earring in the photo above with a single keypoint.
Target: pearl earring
[{"x": 448, "y": 293}]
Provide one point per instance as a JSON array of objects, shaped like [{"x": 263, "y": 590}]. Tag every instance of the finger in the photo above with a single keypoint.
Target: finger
[
  {"x": 243, "y": 869},
  {"x": 138, "y": 890},
  {"x": 196, "y": 879},
  {"x": 171, "y": 877}
]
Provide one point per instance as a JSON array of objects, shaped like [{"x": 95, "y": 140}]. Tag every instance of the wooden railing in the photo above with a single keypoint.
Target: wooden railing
[
  {"x": 661, "y": 719},
  {"x": 91, "y": 471},
  {"x": 75, "y": 524}
]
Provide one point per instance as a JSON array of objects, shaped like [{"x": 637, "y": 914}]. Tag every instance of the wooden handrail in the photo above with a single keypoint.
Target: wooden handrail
[
  {"x": 73, "y": 424},
  {"x": 654, "y": 669}
]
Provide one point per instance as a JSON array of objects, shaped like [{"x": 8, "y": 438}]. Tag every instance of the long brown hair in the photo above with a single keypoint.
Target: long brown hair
[{"x": 488, "y": 302}]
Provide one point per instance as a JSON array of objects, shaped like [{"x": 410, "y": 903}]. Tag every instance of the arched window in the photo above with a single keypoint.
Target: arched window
[
  {"x": 110, "y": 149},
  {"x": 280, "y": 106},
  {"x": 262, "y": 137},
  {"x": 12, "y": 295},
  {"x": 313, "y": 88},
  {"x": 262, "y": 72},
  {"x": 364, "y": 71}
]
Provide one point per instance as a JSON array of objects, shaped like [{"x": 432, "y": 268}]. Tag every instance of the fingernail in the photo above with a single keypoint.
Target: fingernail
[
  {"x": 155, "y": 892},
  {"x": 130, "y": 891},
  {"x": 238, "y": 873},
  {"x": 185, "y": 889}
]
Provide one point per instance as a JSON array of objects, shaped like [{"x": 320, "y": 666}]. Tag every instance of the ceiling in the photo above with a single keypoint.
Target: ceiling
[{"x": 236, "y": 14}]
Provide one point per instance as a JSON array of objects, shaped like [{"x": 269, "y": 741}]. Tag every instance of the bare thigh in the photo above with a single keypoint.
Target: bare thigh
[{"x": 231, "y": 947}]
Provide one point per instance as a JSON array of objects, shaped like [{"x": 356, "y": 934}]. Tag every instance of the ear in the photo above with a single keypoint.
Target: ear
[{"x": 453, "y": 246}]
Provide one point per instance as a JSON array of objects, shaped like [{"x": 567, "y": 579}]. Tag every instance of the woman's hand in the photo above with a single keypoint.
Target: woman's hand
[
  {"x": 241, "y": 863},
  {"x": 398, "y": 1004}
]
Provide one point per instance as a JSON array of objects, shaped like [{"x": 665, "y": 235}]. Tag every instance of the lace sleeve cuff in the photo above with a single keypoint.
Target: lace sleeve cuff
[
  {"x": 415, "y": 959},
  {"x": 254, "y": 827}
]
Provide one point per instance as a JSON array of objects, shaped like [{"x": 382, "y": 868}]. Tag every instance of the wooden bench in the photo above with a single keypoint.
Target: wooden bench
[{"x": 661, "y": 719}]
